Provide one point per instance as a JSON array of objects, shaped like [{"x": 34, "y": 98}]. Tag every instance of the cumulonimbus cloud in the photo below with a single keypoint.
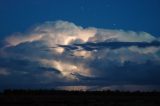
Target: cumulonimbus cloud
[{"x": 63, "y": 54}]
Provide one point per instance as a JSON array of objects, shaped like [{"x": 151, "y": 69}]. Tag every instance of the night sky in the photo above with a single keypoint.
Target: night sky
[{"x": 80, "y": 44}]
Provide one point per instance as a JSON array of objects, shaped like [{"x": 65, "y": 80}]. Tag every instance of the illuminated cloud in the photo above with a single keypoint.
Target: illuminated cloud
[
  {"x": 63, "y": 55},
  {"x": 67, "y": 69},
  {"x": 124, "y": 36},
  {"x": 53, "y": 33}
]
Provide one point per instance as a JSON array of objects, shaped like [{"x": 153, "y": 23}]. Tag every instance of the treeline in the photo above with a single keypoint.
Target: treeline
[
  {"x": 46, "y": 97},
  {"x": 53, "y": 91}
]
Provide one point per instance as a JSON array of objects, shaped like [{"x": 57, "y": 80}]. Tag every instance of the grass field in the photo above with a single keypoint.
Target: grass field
[{"x": 78, "y": 98}]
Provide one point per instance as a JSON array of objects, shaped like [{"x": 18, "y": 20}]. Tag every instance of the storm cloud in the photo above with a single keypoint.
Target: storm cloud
[{"x": 61, "y": 54}]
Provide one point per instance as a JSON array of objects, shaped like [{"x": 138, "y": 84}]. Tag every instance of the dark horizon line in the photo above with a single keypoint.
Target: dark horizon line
[{"x": 8, "y": 91}]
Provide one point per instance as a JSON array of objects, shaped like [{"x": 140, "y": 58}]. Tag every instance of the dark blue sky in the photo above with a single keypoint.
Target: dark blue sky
[{"x": 137, "y": 15}]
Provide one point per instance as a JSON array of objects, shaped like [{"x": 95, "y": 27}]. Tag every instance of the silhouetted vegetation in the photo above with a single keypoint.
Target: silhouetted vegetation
[{"x": 78, "y": 98}]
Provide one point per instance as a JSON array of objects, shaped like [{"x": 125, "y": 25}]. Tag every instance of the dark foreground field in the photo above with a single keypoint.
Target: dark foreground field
[{"x": 78, "y": 98}]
